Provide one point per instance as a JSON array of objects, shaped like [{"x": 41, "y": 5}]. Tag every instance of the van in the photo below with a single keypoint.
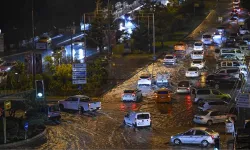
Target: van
[
  {"x": 138, "y": 119},
  {"x": 208, "y": 94},
  {"x": 231, "y": 63},
  {"x": 162, "y": 95},
  {"x": 234, "y": 51}
]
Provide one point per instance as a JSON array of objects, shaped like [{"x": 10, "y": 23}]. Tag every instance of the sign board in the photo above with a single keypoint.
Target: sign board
[
  {"x": 7, "y": 105},
  {"x": 26, "y": 126},
  {"x": 243, "y": 101},
  {"x": 41, "y": 46},
  {"x": 229, "y": 127},
  {"x": 79, "y": 73}
]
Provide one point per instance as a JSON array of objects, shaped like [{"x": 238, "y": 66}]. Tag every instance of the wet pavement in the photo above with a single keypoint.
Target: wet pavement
[{"x": 105, "y": 130}]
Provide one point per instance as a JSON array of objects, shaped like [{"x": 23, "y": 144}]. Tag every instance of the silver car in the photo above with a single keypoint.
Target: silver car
[{"x": 197, "y": 135}]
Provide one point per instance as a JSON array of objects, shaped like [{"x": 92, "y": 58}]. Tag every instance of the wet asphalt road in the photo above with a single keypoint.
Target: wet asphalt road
[{"x": 105, "y": 129}]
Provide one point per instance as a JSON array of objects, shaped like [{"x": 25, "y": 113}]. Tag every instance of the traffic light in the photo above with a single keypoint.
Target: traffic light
[{"x": 39, "y": 89}]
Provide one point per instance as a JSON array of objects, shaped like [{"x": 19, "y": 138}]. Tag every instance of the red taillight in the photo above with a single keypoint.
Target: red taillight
[
  {"x": 122, "y": 94},
  {"x": 212, "y": 136},
  {"x": 133, "y": 94},
  {"x": 188, "y": 88}
]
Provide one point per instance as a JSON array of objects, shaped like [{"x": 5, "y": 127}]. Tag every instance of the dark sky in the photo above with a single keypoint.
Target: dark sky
[{"x": 47, "y": 13}]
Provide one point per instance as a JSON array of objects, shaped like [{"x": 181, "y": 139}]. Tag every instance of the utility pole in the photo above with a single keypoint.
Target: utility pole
[
  {"x": 85, "y": 38},
  {"x": 154, "y": 58},
  {"x": 33, "y": 40},
  {"x": 109, "y": 27}
]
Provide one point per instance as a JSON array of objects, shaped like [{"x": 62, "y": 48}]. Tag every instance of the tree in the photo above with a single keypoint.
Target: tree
[{"x": 49, "y": 65}]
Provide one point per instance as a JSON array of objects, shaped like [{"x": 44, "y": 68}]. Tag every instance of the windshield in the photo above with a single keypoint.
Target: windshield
[
  {"x": 207, "y": 36},
  {"x": 183, "y": 84},
  {"x": 197, "y": 52},
  {"x": 169, "y": 57},
  {"x": 142, "y": 116},
  {"x": 203, "y": 113},
  {"x": 128, "y": 91},
  {"x": 198, "y": 44},
  {"x": 144, "y": 85},
  {"x": 192, "y": 69}
]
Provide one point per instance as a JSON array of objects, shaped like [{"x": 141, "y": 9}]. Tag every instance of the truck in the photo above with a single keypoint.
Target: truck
[{"x": 82, "y": 103}]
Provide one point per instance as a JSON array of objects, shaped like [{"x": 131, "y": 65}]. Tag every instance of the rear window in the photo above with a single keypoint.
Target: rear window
[
  {"x": 85, "y": 99},
  {"x": 169, "y": 57},
  {"x": 197, "y": 52},
  {"x": 128, "y": 91},
  {"x": 143, "y": 116},
  {"x": 162, "y": 92},
  {"x": 198, "y": 44},
  {"x": 183, "y": 84},
  {"x": 192, "y": 69},
  {"x": 203, "y": 92},
  {"x": 207, "y": 36},
  {"x": 144, "y": 77},
  {"x": 197, "y": 61},
  {"x": 144, "y": 85}
]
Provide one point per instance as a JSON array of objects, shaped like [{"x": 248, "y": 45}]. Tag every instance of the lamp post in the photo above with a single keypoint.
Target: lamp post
[{"x": 33, "y": 45}]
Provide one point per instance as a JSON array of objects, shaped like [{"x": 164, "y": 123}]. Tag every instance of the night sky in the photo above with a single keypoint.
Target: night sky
[{"x": 47, "y": 13}]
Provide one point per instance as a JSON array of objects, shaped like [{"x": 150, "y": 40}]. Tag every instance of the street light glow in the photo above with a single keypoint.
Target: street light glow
[{"x": 39, "y": 94}]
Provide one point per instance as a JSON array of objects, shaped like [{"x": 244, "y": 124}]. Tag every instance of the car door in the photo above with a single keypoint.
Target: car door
[
  {"x": 199, "y": 136},
  {"x": 74, "y": 103},
  {"x": 187, "y": 137},
  {"x": 215, "y": 116},
  {"x": 67, "y": 103}
]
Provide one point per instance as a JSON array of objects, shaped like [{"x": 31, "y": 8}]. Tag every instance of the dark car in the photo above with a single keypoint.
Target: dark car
[{"x": 222, "y": 81}]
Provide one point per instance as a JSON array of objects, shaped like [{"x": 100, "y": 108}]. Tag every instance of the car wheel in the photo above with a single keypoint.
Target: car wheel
[
  {"x": 216, "y": 86},
  {"x": 204, "y": 143},
  {"x": 177, "y": 142},
  {"x": 82, "y": 110},
  {"x": 61, "y": 107},
  {"x": 209, "y": 122}
]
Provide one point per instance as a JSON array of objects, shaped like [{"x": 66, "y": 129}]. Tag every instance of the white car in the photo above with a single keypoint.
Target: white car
[
  {"x": 183, "y": 87},
  {"x": 244, "y": 31},
  {"x": 162, "y": 80},
  {"x": 197, "y": 55},
  {"x": 236, "y": 2},
  {"x": 198, "y": 135},
  {"x": 144, "y": 81},
  {"x": 137, "y": 119},
  {"x": 207, "y": 39},
  {"x": 210, "y": 117},
  {"x": 237, "y": 8},
  {"x": 132, "y": 95},
  {"x": 198, "y": 46},
  {"x": 220, "y": 30},
  {"x": 193, "y": 72},
  {"x": 198, "y": 63},
  {"x": 169, "y": 60}
]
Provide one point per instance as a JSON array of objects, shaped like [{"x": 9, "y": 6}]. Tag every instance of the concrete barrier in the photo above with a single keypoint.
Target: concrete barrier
[{"x": 24, "y": 142}]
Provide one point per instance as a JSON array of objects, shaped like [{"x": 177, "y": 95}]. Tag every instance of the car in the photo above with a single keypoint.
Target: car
[
  {"x": 197, "y": 55},
  {"x": 218, "y": 105},
  {"x": 236, "y": 8},
  {"x": 235, "y": 5},
  {"x": 206, "y": 94},
  {"x": 243, "y": 31},
  {"x": 145, "y": 80},
  {"x": 199, "y": 135},
  {"x": 228, "y": 57},
  {"x": 132, "y": 95},
  {"x": 236, "y": 2},
  {"x": 235, "y": 51},
  {"x": 180, "y": 46},
  {"x": 231, "y": 72},
  {"x": 233, "y": 20},
  {"x": 222, "y": 81},
  {"x": 79, "y": 102},
  {"x": 162, "y": 95},
  {"x": 230, "y": 64},
  {"x": 221, "y": 30},
  {"x": 184, "y": 87},
  {"x": 137, "y": 119},
  {"x": 199, "y": 63},
  {"x": 7, "y": 66},
  {"x": 217, "y": 35},
  {"x": 207, "y": 39},
  {"x": 193, "y": 72},
  {"x": 162, "y": 80},
  {"x": 234, "y": 12},
  {"x": 211, "y": 116},
  {"x": 169, "y": 60},
  {"x": 236, "y": 16},
  {"x": 198, "y": 46}
]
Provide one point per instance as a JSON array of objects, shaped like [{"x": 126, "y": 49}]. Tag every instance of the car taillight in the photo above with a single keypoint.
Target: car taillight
[
  {"x": 168, "y": 95},
  {"x": 212, "y": 136},
  {"x": 133, "y": 94},
  {"x": 122, "y": 94},
  {"x": 188, "y": 88}
]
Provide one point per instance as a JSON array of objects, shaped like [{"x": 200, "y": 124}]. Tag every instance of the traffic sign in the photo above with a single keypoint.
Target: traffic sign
[
  {"x": 7, "y": 105},
  {"x": 26, "y": 126},
  {"x": 79, "y": 73}
]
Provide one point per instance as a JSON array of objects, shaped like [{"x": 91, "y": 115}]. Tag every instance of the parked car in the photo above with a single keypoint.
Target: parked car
[
  {"x": 218, "y": 105},
  {"x": 198, "y": 135},
  {"x": 205, "y": 94},
  {"x": 82, "y": 102},
  {"x": 198, "y": 46},
  {"x": 210, "y": 117},
  {"x": 207, "y": 39},
  {"x": 184, "y": 87},
  {"x": 137, "y": 119},
  {"x": 132, "y": 95},
  {"x": 193, "y": 72}
]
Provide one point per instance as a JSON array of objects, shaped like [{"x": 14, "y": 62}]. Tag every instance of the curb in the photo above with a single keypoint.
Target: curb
[{"x": 23, "y": 142}]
